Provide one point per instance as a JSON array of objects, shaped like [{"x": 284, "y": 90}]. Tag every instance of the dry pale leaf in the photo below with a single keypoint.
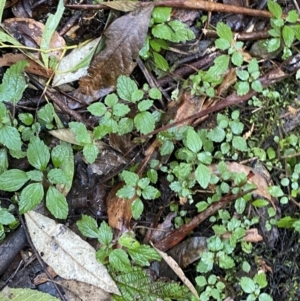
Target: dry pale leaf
[
  {"x": 125, "y": 38},
  {"x": 67, "y": 254},
  {"x": 75, "y": 65},
  {"x": 252, "y": 235},
  {"x": 81, "y": 291},
  {"x": 176, "y": 268}
]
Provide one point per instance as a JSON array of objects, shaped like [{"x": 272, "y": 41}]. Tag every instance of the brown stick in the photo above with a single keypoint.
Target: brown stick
[{"x": 178, "y": 235}]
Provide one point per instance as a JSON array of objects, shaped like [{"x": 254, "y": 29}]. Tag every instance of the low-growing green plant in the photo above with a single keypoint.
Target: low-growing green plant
[{"x": 163, "y": 31}]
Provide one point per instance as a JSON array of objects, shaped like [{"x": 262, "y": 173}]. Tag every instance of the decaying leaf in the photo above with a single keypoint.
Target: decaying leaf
[
  {"x": 81, "y": 291},
  {"x": 30, "y": 31},
  {"x": 176, "y": 268},
  {"x": 75, "y": 65},
  {"x": 125, "y": 38},
  {"x": 67, "y": 254},
  {"x": 21, "y": 294},
  {"x": 125, "y": 6}
]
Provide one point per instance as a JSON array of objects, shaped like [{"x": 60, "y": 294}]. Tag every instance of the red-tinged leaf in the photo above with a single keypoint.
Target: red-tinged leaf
[{"x": 125, "y": 38}]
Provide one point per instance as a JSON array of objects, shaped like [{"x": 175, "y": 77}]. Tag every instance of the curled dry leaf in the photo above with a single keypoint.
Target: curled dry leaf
[
  {"x": 176, "y": 268},
  {"x": 67, "y": 254},
  {"x": 125, "y": 38},
  {"x": 30, "y": 32}
]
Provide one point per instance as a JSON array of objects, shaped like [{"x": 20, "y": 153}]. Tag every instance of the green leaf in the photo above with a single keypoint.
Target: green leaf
[
  {"x": 90, "y": 152},
  {"x": 220, "y": 66},
  {"x": 142, "y": 254},
  {"x": 128, "y": 241},
  {"x": 118, "y": 260},
  {"x": 6, "y": 217},
  {"x": 13, "y": 84},
  {"x": 242, "y": 74},
  {"x": 166, "y": 148},
  {"x": 125, "y": 126},
  {"x": 144, "y": 122},
  {"x": 126, "y": 87},
  {"x": 273, "y": 44},
  {"x": 120, "y": 110},
  {"x": 242, "y": 88},
  {"x": 17, "y": 294},
  {"x": 13, "y": 179},
  {"x": 201, "y": 206},
  {"x": 10, "y": 137},
  {"x": 292, "y": 16},
  {"x": 201, "y": 281},
  {"x": 105, "y": 233},
  {"x": 81, "y": 133},
  {"x": 60, "y": 155},
  {"x": 150, "y": 193},
  {"x": 160, "y": 62},
  {"x": 162, "y": 31},
  {"x": 193, "y": 141},
  {"x": 275, "y": 9},
  {"x": 50, "y": 26},
  {"x": 26, "y": 118},
  {"x": 97, "y": 109},
  {"x": 38, "y": 153},
  {"x": 239, "y": 143},
  {"x": 181, "y": 33},
  {"x": 217, "y": 134},
  {"x": 224, "y": 32},
  {"x": 126, "y": 192},
  {"x": 88, "y": 226},
  {"x": 226, "y": 262},
  {"x": 143, "y": 183},
  {"x": 111, "y": 100},
  {"x": 222, "y": 44},
  {"x": 288, "y": 35},
  {"x": 46, "y": 114},
  {"x": 3, "y": 160},
  {"x": 30, "y": 197},
  {"x": 237, "y": 58},
  {"x": 152, "y": 175},
  {"x": 247, "y": 284},
  {"x": 265, "y": 297},
  {"x": 57, "y": 203},
  {"x": 261, "y": 280},
  {"x": 154, "y": 93},
  {"x": 203, "y": 175},
  {"x": 35, "y": 175},
  {"x": 205, "y": 157},
  {"x": 56, "y": 176},
  {"x": 161, "y": 14},
  {"x": 137, "y": 208},
  {"x": 144, "y": 105},
  {"x": 130, "y": 178},
  {"x": 253, "y": 66},
  {"x": 275, "y": 191}
]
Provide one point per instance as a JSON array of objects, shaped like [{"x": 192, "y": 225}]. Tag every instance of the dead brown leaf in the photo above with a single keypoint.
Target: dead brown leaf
[
  {"x": 29, "y": 32},
  {"x": 252, "y": 235},
  {"x": 125, "y": 38}
]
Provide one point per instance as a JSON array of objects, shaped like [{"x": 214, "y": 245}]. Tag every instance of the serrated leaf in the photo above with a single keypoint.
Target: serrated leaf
[
  {"x": 13, "y": 84},
  {"x": 273, "y": 44},
  {"x": 239, "y": 143},
  {"x": 68, "y": 255},
  {"x": 292, "y": 16},
  {"x": 257, "y": 86},
  {"x": 144, "y": 122},
  {"x": 130, "y": 178},
  {"x": 154, "y": 93},
  {"x": 150, "y": 193},
  {"x": 237, "y": 59},
  {"x": 144, "y": 105},
  {"x": 242, "y": 88},
  {"x": 221, "y": 64},
  {"x": 56, "y": 203},
  {"x": 181, "y": 33},
  {"x": 56, "y": 176},
  {"x": 160, "y": 61},
  {"x": 30, "y": 197},
  {"x": 142, "y": 254},
  {"x": 247, "y": 284},
  {"x": 224, "y": 32},
  {"x": 13, "y": 179},
  {"x": 97, "y": 109},
  {"x": 10, "y": 137},
  {"x": 166, "y": 148},
  {"x": 26, "y": 118},
  {"x": 193, "y": 141},
  {"x": 126, "y": 192},
  {"x": 90, "y": 152},
  {"x": 38, "y": 153},
  {"x": 125, "y": 38},
  {"x": 46, "y": 114},
  {"x": 222, "y": 44},
  {"x": 105, "y": 233},
  {"x": 203, "y": 175},
  {"x": 81, "y": 133},
  {"x": 35, "y": 175},
  {"x": 288, "y": 35},
  {"x": 88, "y": 226},
  {"x": 217, "y": 134},
  {"x": 275, "y": 191},
  {"x": 162, "y": 31},
  {"x": 275, "y": 9},
  {"x": 21, "y": 294},
  {"x": 137, "y": 208},
  {"x": 118, "y": 259},
  {"x": 6, "y": 217},
  {"x": 125, "y": 87},
  {"x": 120, "y": 110},
  {"x": 161, "y": 14},
  {"x": 125, "y": 126}
]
